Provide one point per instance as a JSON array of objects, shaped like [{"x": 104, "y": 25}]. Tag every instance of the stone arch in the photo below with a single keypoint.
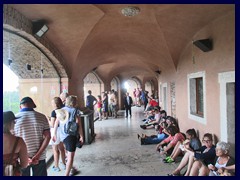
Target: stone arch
[
  {"x": 92, "y": 82},
  {"x": 15, "y": 23}
]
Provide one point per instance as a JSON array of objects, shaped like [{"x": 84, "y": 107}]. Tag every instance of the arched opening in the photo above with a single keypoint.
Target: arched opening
[{"x": 10, "y": 90}]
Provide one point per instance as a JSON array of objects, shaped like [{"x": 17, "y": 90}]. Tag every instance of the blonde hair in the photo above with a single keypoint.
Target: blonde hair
[{"x": 71, "y": 101}]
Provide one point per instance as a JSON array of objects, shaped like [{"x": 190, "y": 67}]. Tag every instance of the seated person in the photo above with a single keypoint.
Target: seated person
[
  {"x": 192, "y": 142},
  {"x": 154, "y": 139},
  {"x": 206, "y": 154},
  {"x": 151, "y": 103},
  {"x": 156, "y": 120},
  {"x": 222, "y": 160},
  {"x": 170, "y": 141}
]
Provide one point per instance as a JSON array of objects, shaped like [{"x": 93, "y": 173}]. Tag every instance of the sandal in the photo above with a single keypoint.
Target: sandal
[{"x": 56, "y": 169}]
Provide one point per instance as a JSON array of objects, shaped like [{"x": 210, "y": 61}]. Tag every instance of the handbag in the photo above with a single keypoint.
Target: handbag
[
  {"x": 71, "y": 127},
  {"x": 10, "y": 169}
]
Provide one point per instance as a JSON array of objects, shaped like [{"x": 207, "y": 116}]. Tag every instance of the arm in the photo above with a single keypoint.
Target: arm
[
  {"x": 80, "y": 129},
  {"x": 23, "y": 155},
  {"x": 46, "y": 139},
  {"x": 207, "y": 155},
  {"x": 221, "y": 170}
]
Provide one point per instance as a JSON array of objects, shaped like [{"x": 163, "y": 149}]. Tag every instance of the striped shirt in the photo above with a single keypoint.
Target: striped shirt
[{"x": 30, "y": 127}]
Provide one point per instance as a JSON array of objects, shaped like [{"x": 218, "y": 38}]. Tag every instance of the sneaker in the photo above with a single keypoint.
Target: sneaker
[
  {"x": 170, "y": 160},
  {"x": 62, "y": 166},
  {"x": 143, "y": 127},
  {"x": 56, "y": 169},
  {"x": 73, "y": 172}
]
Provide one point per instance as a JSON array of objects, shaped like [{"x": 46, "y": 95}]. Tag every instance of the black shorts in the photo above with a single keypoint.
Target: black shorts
[{"x": 70, "y": 143}]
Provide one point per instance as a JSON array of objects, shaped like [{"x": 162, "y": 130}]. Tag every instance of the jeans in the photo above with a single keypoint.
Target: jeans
[
  {"x": 39, "y": 169},
  {"x": 155, "y": 140}
]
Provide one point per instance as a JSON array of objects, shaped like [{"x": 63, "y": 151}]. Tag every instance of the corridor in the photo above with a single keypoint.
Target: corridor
[{"x": 116, "y": 150}]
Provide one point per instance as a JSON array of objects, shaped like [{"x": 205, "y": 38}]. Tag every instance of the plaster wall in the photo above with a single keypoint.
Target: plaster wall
[{"x": 220, "y": 59}]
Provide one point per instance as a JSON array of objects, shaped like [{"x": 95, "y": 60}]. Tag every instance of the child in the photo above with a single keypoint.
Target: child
[{"x": 99, "y": 107}]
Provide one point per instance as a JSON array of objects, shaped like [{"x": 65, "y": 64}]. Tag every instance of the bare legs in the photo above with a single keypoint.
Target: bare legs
[
  {"x": 199, "y": 169},
  {"x": 187, "y": 159},
  {"x": 57, "y": 150},
  {"x": 70, "y": 157},
  {"x": 176, "y": 151}
]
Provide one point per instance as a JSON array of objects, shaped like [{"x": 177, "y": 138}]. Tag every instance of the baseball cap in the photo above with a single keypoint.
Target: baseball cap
[
  {"x": 27, "y": 100},
  {"x": 8, "y": 116}
]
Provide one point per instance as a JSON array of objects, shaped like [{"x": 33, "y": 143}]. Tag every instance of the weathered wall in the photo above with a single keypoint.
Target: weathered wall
[{"x": 220, "y": 59}]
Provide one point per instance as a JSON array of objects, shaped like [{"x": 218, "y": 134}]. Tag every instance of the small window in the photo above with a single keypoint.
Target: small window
[{"x": 196, "y": 96}]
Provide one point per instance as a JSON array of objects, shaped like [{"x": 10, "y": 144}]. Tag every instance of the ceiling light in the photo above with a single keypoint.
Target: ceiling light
[{"x": 130, "y": 11}]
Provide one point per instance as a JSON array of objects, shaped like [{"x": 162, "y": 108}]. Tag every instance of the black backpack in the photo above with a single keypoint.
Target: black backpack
[{"x": 71, "y": 127}]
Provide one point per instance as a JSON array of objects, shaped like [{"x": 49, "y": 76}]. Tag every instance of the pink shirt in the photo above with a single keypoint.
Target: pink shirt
[{"x": 174, "y": 139}]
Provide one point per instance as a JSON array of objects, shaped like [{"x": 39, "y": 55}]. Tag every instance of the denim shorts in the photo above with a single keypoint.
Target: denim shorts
[{"x": 70, "y": 143}]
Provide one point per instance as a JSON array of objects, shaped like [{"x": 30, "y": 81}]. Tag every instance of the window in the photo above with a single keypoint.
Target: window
[{"x": 196, "y": 97}]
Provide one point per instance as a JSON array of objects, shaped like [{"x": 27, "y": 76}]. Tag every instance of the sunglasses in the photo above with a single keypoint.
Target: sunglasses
[{"x": 206, "y": 141}]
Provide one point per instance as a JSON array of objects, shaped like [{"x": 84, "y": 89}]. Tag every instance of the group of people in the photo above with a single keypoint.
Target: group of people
[
  {"x": 106, "y": 104},
  {"x": 27, "y": 134},
  {"x": 32, "y": 132},
  {"x": 199, "y": 159}
]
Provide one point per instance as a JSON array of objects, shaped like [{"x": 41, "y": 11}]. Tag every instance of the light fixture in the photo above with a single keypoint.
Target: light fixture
[
  {"x": 9, "y": 62},
  {"x": 28, "y": 67},
  {"x": 204, "y": 44},
  {"x": 130, "y": 11},
  {"x": 39, "y": 28},
  {"x": 158, "y": 72}
]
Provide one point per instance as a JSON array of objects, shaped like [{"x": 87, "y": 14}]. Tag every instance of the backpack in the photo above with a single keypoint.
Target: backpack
[
  {"x": 71, "y": 127},
  {"x": 8, "y": 168}
]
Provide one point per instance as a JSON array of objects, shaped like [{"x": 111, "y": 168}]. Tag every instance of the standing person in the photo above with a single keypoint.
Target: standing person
[
  {"x": 57, "y": 146},
  {"x": 11, "y": 156},
  {"x": 69, "y": 141},
  {"x": 99, "y": 107},
  {"x": 90, "y": 100},
  {"x": 128, "y": 104},
  {"x": 33, "y": 127},
  {"x": 105, "y": 105},
  {"x": 63, "y": 97},
  {"x": 135, "y": 97},
  {"x": 113, "y": 103}
]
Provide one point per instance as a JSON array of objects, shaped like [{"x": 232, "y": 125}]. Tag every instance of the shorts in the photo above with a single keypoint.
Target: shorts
[
  {"x": 58, "y": 137},
  {"x": 70, "y": 143}
]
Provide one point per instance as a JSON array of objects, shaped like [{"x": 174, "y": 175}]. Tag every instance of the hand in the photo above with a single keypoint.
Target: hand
[
  {"x": 81, "y": 140},
  {"x": 211, "y": 167},
  {"x": 54, "y": 138},
  {"x": 220, "y": 170}
]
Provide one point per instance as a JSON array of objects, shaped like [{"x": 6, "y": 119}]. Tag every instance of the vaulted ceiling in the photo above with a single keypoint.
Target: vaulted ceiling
[{"x": 100, "y": 37}]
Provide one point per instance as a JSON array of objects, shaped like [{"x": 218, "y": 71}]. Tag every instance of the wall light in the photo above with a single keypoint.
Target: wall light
[{"x": 39, "y": 28}]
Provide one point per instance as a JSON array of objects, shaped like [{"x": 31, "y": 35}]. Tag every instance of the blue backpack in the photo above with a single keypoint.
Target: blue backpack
[{"x": 71, "y": 127}]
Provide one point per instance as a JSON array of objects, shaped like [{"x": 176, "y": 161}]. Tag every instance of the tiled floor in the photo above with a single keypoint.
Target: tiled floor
[{"x": 116, "y": 151}]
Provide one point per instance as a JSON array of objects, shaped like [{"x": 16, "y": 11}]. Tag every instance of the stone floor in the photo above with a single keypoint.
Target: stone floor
[{"x": 116, "y": 151}]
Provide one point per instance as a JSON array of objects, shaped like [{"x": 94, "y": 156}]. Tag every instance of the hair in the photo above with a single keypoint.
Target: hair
[
  {"x": 163, "y": 111},
  {"x": 71, "y": 101},
  {"x": 64, "y": 95},
  {"x": 58, "y": 102},
  {"x": 224, "y": 146},
  {"x": 6, "y": 127},
  {"x": 89, "y": 92},
  {"x": 209, "y": 136},
  {"x": 173, "y": 121},
  {"x": 172, "y": 130},
  {"x": 192, "y": 133}
]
